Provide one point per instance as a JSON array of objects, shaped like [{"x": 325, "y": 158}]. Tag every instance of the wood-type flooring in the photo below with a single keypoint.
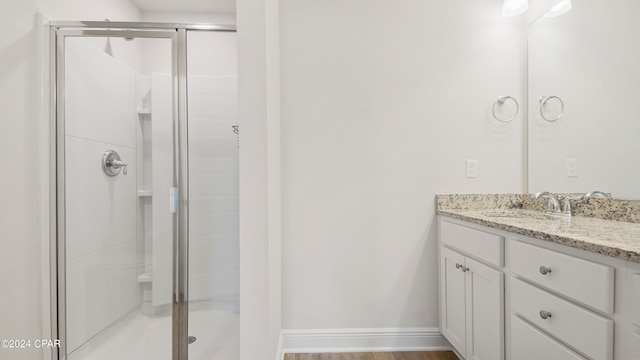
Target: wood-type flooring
[{"x": 407, "y": 355}]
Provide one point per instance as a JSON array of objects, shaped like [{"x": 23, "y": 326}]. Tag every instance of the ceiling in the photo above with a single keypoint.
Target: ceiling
[{"x": 216, "y": 6}]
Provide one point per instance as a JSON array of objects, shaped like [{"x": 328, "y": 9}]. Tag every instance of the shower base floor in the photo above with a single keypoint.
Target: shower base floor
[{"x": 139, "y": 337}]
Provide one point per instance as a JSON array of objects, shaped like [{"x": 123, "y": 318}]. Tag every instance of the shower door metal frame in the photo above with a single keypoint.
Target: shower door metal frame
[{"x": 177, "y": 33}]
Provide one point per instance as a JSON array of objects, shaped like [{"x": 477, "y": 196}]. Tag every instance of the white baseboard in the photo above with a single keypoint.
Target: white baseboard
[{"x": 361, "y": 340}]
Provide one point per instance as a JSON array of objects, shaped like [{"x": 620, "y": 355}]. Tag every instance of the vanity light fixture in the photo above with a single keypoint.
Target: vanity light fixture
[
  {"x": 559, "y": 9},
  {"x": 514, "y": 7}
]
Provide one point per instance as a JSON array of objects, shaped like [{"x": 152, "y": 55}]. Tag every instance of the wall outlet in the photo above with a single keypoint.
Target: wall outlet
[
  {"x": 572, "y": 167},
  {"x": 472, "y": 168}
]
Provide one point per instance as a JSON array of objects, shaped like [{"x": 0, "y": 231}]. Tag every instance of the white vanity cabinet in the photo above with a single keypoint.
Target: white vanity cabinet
[
  {"x": 557, "y": 294},
  {"x": 633, "y": 283},
  {"x": 576, "y": 304},
  {"x": 472, "y": 291},
  {"x": 507, "y": 296}
]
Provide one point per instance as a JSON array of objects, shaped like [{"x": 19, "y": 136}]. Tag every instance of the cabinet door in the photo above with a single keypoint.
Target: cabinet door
[
  {"x": 452, "y": 298},
  {"x": 485, "y": 312}
]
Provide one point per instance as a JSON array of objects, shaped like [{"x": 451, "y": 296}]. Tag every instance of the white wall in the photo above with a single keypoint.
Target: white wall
[
  {"x": 260, "y": 216},
  {"x": 20, "y": 221},
  {"x": 382, "y": 103},
  {"x": 189, "y": 17}
]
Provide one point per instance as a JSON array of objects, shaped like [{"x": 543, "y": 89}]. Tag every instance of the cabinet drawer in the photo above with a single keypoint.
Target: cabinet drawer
[
  {"x": 579, "y": 328},
  {"x": 582, "y": 280},
  {"x": 529, "y": 343},
  {"x": 483, "y": 245}
]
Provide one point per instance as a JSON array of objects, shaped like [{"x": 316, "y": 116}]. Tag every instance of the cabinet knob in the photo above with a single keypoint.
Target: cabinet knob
[
  {"x": 462, "y": 267},
  {"x": 545, "y": 314},
  {"x": 544, "y": 270}
]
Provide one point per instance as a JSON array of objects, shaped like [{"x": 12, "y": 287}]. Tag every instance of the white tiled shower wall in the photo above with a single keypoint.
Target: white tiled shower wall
[{"x": 101, "y": 210}]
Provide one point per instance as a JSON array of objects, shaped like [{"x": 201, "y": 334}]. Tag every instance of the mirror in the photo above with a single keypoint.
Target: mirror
[{"x": 589, "y": 61}]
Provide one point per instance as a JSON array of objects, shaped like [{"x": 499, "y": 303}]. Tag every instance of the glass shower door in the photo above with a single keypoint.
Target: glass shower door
[
  {"x": 147, "y": 228},
  {"x": 115, "y": 170},
  {"x": 214, "y": 266}
]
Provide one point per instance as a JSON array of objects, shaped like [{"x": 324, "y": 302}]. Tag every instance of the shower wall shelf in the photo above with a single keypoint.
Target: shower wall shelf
[
  {"x": 145, "y": 218},
  {"x": 144, "y": 113},
  {"x": 145, "y": 278}
]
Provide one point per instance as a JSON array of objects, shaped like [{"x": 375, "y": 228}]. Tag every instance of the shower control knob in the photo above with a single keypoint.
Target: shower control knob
[
  {"x": 117, "y": 164},
  {"x": 112, "y": 164}
]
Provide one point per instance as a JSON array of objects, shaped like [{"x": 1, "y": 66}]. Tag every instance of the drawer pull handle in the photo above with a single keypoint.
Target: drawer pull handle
[
  {"x": 544, "y": 270},
  {"x": 545, "y": 314},
  {"x": 458, "y": 266}
]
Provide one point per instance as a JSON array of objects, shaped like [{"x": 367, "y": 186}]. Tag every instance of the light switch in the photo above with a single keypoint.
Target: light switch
[
  {"x": 572, "y": 167},
  {"x": 472, "y": 168}
]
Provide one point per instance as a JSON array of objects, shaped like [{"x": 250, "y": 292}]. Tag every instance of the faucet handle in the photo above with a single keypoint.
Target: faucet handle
[{"x": 566, "y": 209}]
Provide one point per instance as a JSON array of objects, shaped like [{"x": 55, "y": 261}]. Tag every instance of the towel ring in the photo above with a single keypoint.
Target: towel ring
[
  {"x": 543, "y": 101},
  {"x": 501, "y": 100}
]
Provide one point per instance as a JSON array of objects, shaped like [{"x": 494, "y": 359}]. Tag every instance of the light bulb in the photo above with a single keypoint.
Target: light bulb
[
  {"x": 559, "y": 9},
  {"x": 514, "y": 7}
]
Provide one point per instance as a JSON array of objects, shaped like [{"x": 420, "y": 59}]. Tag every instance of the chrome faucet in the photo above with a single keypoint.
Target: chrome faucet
[
  {"x": 554, "y": 205},
  {"x": 597, "y": 193}
]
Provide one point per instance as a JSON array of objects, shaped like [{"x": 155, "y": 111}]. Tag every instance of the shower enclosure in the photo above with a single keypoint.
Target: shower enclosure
[{"x": 145, "y": 250}]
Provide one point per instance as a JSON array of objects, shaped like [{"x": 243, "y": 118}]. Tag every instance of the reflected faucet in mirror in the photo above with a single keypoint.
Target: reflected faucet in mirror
[
  {"x": 553, "y": 207},
  {"x": 597, "y": 193}
]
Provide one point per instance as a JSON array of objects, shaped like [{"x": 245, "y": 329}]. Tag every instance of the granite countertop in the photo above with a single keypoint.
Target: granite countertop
[{"x": 618, "y": 239}]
